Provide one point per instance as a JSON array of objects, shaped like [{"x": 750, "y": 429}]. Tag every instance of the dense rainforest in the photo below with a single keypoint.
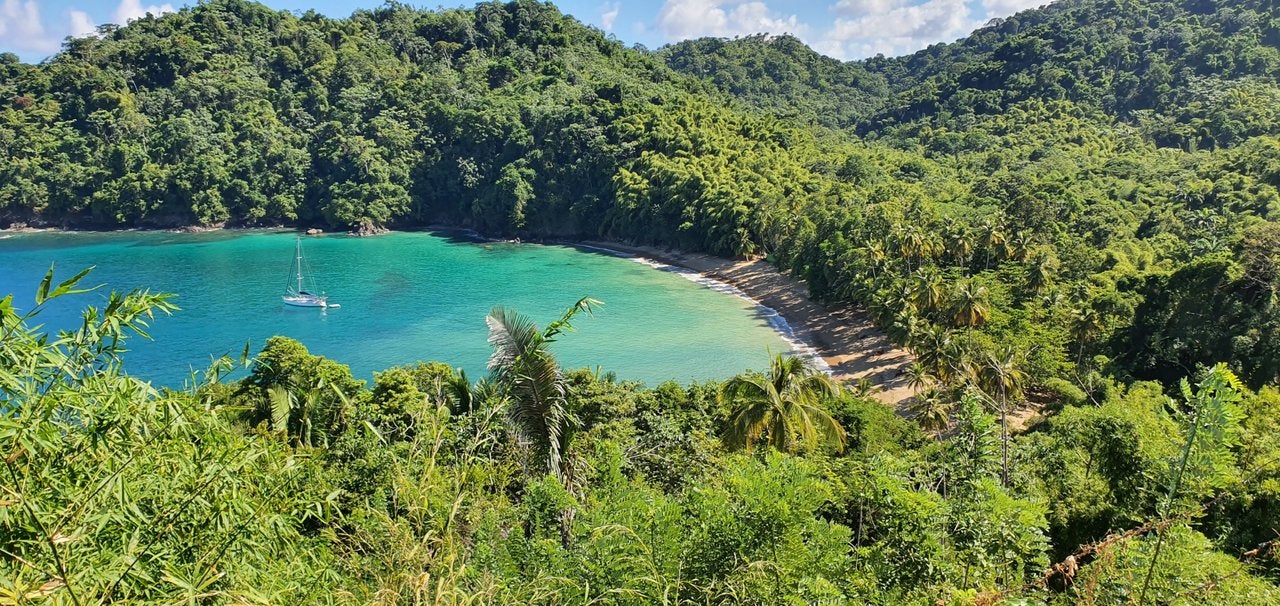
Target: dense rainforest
[{"x": 1070, "y": 211}]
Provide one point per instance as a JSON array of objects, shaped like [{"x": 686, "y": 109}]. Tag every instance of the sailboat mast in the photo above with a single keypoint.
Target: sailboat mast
[{"x": 298, "y": 248}]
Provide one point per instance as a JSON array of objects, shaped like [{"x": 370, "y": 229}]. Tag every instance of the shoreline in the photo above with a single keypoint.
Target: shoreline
[
  {"x": 840, "y": 339},
  {"x": 776, "y": 320},
  {"x": 841, "y": 336}
]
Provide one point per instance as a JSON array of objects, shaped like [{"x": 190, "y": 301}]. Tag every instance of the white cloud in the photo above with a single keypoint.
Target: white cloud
[
  {"x": 680, "y": 19},
  {"x": 609, "y": 15},
  {"x": 860, "y": 28},
  {"x": 21, "y": 28},
  {"x": 893, "y": 27},
  {"x": 133, "y": 9},
  {"x": 862, "y": 7},
  {"x": 1004, "y": 8},
  {"x": 81, "y": 24}
]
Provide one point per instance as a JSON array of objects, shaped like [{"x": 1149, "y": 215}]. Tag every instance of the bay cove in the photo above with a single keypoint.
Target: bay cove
[{"x": 405, "y": 297}]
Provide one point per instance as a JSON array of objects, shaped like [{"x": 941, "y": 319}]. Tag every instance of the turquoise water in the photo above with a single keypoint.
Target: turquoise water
[{"x": 405, "y": 297}]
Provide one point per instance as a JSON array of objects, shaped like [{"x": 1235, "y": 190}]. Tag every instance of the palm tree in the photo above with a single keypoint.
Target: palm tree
[
  {"x": 927, "y": 289},
  {"x": 889, "y": 304},
  {"x": 918, "y": 376},
  {"x": 460, "y": 392},
  {"x": 971, "y": 306},
  {"x": 780, "y": 407},
  {"x": 931, "y": 411},
  {"x": 994, "y": 240},
  {"x": 960, "y": 245},
  {"x": 934, "y": 245},
  {"x": 524, "y": 367},
  {"x": 873, "y": 252},
  {"x": 938, "y": 353},
  {"x": 305, "y": 415},
  {"x": 1019, "y": 247},
  {"x": 1041, "y": 271},
  {"x": 464, "y": 397},
  {"x": 906, "y": 326},
  {"x": 1085, "y": 326},
  {"x": 1002, "y": 380},
  {"x": 903, "y": 299},
  {"x": 912, "y": 244}
]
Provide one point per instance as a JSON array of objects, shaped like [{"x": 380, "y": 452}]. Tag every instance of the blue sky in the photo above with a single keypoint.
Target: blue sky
[{"x": 845, "y": 29}]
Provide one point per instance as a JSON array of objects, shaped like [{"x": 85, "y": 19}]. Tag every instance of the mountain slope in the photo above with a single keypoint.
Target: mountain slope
[
  {"x": 230, "y": 112},
  {"x": 1197, "y": 73},
  {"x": 782, "y": 75},
  {"x": 1077, "y": 249},
  {"x": 1189, "y": 74}
]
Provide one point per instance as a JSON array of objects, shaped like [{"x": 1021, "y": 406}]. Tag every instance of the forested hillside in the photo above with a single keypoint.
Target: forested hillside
[
  {"x": 231, "y": 112},
  {"x": 785, "y": 77},
  {"x": 540, "y": 485},
  {"x": 1072, "y": 212},
  {"x": 1198, "y": 74},
  {"x": 1092, "y": 168},
  {"x": 1193, "y": 75}
]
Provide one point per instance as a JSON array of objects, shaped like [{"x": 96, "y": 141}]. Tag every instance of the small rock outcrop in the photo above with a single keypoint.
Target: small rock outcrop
[{"x": 368, "y": 229}]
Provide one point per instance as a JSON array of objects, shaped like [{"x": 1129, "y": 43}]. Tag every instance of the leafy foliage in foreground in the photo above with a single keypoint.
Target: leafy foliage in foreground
[{"x": 422, "y": 492}]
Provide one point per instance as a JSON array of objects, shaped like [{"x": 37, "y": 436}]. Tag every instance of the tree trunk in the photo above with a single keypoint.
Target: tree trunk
[{"x": 1004, "y": 437}]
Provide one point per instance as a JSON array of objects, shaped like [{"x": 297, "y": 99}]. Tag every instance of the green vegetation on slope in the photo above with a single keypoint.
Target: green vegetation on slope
[
  {"x": 1114, "y": 221},
  {"x": 1066, "y": 216},
  {"x": 1199, "y": 74},
  {"x": 782, "y": 75},
  {"x": 231, "y": 112},
  {"x": 540, "y": 486},
  {"x": 1074, "y": 207}
]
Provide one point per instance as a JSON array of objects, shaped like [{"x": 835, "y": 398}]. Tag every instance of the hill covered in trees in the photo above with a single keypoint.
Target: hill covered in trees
[
  {"x": 538, "y": 485},
  {"x": 1074, "y": 206},
  {"x": 1187, "y": 74},
  {"x": 783, "y": 76}
]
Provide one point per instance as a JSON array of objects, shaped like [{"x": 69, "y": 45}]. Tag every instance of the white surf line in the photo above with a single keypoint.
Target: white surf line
[{"x": 775, "y": 319}]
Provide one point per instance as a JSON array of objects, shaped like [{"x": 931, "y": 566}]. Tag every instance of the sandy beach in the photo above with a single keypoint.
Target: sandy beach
[{"x": 843, "y": 335}]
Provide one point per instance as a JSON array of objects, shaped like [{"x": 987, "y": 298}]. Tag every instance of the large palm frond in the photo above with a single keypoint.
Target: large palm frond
[
  {"x": 524, "y": 366},
  {"x": 511, "y": 334},
  {"x": 755, "y": 410},
  {"x": 280, "y": 401},
  {"x": 460, "y": 392},
  {"x": 521, "y": 362},
  {"x": 784, "y": 406}
]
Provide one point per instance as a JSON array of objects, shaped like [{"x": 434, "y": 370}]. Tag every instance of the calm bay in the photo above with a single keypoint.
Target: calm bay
[{"x": 404, "y": 296}]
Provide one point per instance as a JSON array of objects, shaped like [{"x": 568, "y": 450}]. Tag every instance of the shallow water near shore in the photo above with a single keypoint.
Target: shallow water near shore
[{"x": 405, "y": 297}]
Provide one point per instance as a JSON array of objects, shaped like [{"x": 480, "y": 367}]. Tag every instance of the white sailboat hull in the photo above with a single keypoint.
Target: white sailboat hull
[{"x": 304, "y": 301}]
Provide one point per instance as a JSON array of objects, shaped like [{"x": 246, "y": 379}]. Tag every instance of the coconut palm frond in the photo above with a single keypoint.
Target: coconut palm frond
[
  {"x": 931, "y": 410},
  {"x": 281, "y": 402},
  {"x": 750, "y": 420},
  {"x": 462, "y": 397},
  {"x": 782, "y": 407},
  {"x": 510, "y": 335},
  {"x": 538, "y": 399},
  {"x": 829, "y": 428},
  {"x": 585, "y": 304},
  {"x": 531, "y": 379}
]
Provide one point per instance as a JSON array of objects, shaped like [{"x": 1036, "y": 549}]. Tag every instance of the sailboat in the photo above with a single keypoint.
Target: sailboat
[{"x": 297, "y": 294}]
